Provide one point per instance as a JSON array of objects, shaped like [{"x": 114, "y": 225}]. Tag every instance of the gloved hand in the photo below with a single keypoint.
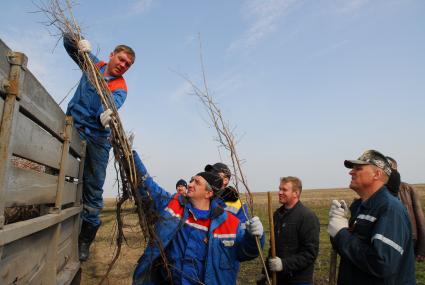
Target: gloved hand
[
  {"x": 339, "y": 208},
  {"x": 84, "y": 46},
  {"x": 336, "y": 223},
  {"x": 105, "y": 118},
  {"x": 255, "y": 227},
  {"x": 275, "y": 264},
  {"x": 346, "y": 209},
  {"x": 140, "y": 167}
]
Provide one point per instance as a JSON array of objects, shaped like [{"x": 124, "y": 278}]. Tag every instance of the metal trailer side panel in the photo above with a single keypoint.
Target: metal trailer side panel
[{"x": 4, "y": 64}]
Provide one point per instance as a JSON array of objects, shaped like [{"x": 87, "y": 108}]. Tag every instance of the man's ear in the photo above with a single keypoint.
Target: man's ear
[
  {"x": 379, "y": 174},
  {"x": 209, "y": 194}
]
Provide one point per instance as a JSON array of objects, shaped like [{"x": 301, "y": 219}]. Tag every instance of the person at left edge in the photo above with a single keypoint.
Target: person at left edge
[
  {"x": 92, "y": 123},
  {"x": 202, "y": 242}
]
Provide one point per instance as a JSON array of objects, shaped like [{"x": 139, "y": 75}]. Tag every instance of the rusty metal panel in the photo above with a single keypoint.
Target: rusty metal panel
[
  {"x": 63, "y": 163},
  {"x": 80, "y": 175},
  {"x": 32, "y": 142},
  {"x": 69, "y": 194},
  {"x": 72, "y": 166},
  {"x": 8, "y": 125},
  {"x": 37, "y": 134},
  {"x": 11, "y": 91},
  {"x": 4, "y": 64},
  {"x": 76, "y": 144},
  {"x": 66, "y": 275},
  {"x": 65, "y": 241},
  {"x": 28, "y": 187},
  {"x": 24, "y": 261},
  {"x": 1, "y": 107},
  {"x": 24, "y": 248},
  {"x": 37, "y": 101},
  {"x": 15, "y": 231}
]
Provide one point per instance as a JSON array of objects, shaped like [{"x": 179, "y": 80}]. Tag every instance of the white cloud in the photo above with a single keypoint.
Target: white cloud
[{"x": 264, "y": 16}]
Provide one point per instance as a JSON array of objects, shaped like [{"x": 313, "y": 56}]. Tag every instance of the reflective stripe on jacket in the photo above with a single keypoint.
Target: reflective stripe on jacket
[{"x": 377, "y": 249}]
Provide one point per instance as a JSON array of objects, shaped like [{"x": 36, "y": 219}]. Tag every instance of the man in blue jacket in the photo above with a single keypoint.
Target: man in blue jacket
[
  {"x": 203, "y": 243},
  {"x": 375, "y": 245},
  {"x": 92, "y": 123}
]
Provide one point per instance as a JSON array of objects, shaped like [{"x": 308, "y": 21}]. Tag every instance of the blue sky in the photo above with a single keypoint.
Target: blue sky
[{"x": 306, "y": 84}]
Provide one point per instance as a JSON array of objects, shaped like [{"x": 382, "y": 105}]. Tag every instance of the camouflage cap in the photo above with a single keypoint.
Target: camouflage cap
[{"x": 371, "y": 157}]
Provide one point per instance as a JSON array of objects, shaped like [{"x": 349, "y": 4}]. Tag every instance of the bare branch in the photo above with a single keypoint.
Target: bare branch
[{"x": 226, "y": 140}]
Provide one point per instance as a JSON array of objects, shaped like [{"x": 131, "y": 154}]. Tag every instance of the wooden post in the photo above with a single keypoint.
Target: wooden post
[
  {"x": 50, "y": 275},
  {"x": 64, "y": 158},
  {"x": 332, "y": 267},
  {"x": 80, "y": 174},
  {"x": 17, "y": 62},
  {"x": 78, "y": 203},
  {"x": 272, "y": 239},
  {"x": 52, "y": 254}
]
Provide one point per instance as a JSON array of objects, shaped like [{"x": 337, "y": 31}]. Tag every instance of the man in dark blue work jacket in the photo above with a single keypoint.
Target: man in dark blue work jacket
[{"x": 375, "y": 245}]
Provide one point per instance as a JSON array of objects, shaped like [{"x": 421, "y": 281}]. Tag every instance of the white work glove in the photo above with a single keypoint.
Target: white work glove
[
  {"x": 105, "y": 118},
  {"x": 84, "y": 46},
  {"x": 131, "y": 139},
  {"x": 275, "y": 264},
  {"x": 339, "y": 208},
  {"x": 336, "y": 223},
  {"x": 255, "y": 227},
  {"x": 346, "y": 209}
]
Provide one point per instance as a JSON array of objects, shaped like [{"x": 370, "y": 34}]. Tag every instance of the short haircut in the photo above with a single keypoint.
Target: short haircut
[
  {"x": 296, "y": 182},
  {"x": 125, "y": 49},
  {"x": 384, "y": 175}
]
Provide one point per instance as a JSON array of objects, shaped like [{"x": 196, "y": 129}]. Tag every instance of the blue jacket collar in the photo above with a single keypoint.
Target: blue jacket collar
[
  {"x": 369, "y": 203},
  {"x": 218, "y": 215}
]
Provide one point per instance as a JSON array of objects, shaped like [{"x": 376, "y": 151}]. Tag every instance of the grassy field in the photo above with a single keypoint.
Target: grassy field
[{"x": 103, "y": 248}]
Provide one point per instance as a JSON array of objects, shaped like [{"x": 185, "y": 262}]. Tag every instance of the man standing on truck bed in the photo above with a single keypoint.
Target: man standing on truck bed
[{"x": 92, "y": 123}]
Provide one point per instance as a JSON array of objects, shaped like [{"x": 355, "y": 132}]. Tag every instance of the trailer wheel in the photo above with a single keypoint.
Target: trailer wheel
[{"x": 77, "y": 278}]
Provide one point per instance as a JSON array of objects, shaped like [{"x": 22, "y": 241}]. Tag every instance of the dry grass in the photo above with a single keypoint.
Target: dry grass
[{"x": 102, "y": 249}]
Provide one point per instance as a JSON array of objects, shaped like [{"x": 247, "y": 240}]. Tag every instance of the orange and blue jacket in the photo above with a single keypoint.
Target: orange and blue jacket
[
  {"x": 85, "y": 106},
  {"x": 198, "y": 250}
]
